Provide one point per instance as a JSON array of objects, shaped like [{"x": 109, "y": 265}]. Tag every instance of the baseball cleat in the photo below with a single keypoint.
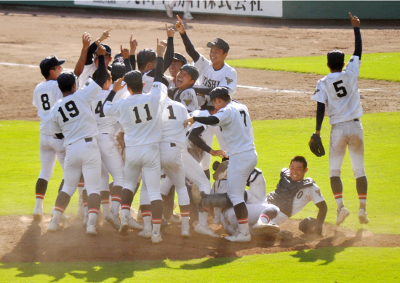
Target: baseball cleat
[
  {"x": 37, "y": 214},
  {"x": 133, "y": 224},
  {"x": 205, "y": 231},
  {"x": 85, "y": 221},
  {"x": 341, "y": 215},
  {"x": 168, "y": 9},
  {"x": 185, "y": 231},
  {"x": 113, "y": 220},
  {"x": 239, "y": 237},
  {"x": 196, "y": 194},
  {"x": 220, "y": 173},
  {"x": 91, "y": 230},
  {"x": 267, "y": 228},
  {"x": 362, "y": 217},
  {"x": 156, "y": 238},
  {"x": 53, "y": 227},
  {"x": 187, "y": 16},
  {"x": 145, "y": 234},
  {"x": 124, "y": 228}
]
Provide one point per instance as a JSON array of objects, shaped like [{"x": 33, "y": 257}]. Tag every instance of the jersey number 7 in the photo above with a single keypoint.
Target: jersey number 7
[{"x": 243, "y": 113}]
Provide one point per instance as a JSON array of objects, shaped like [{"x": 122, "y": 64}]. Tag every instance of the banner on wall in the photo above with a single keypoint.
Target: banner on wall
[{"x": 242, "y": 8}]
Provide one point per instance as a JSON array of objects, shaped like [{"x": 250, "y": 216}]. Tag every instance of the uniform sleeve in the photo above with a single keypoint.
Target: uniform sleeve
[
  {"x": 201, "y": 64},
  {"x": 223, "y": 116},
  {"x": 90, "y": 91},
  {"x": 189, "y": 100},
  {"x": 54, "y": 127},
  {"x": 353, "y": 66},
  {"x": 111, "y": 109},
  {"x": 159, "y": 89},
  {"x": 315, "y": 194},
  {"x": 320, "y": 94},
  {"x": 230, "y": 82}
]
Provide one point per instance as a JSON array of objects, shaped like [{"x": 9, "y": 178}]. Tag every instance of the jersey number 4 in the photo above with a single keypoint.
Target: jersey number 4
[
  {"x": 71, "y": 108},
  {"x": 340, "y": 90}
]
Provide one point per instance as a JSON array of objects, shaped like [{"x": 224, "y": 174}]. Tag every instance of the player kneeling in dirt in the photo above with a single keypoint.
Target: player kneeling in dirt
[{"x": 291, "y": 195}]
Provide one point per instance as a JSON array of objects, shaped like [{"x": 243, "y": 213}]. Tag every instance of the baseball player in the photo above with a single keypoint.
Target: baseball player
[
  {"x": 339, "y": 91},
  {"x": 72, "y": 115},
  {"x": 184, "y": 92},
  {"x": 237, "y": 132},
  {"x": 291, "y": 195},
  {"x": 178, "y": 61},
  {"x": 186, "y": 9},
  {"x": 140, "y": 118},
  {"x": 44, "y": 97}
]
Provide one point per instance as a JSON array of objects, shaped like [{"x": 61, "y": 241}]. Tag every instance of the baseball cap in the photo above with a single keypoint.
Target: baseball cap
[
  {"x": 133, "y": 78},
  {"x": 191, "y": 70},
  {"x": 118, "y": 58},
  {"x": 117, "y": 70},
  {"x": 145, "y": 56},
  {"x": 108, "y": 49},
  {"x": 66, "y": 79},
  {"x": 180, "y": 57},
  {"x": 219, "y": 43},
  {"x": 218, "y": 91},
  {"x": 50, "y": 62}
]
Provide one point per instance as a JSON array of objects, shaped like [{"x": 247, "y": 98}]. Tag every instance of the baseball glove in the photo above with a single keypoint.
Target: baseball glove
[
  {"x": 316, "y": 146},
  {"x": 310, "y": 225}
]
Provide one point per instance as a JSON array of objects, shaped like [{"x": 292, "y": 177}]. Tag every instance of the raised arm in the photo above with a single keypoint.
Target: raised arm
[
  {"x": 169, "y": 52},
  {"x": 133, "y": 43},
  {"x": 125, "y": 54},
  {"x": 355, "y": 22},
  {"x": 82, "y": 59},
  {"x": 160, "y": 62},
  {"x": 101, "y": 70},
  {"x": 186, "y": 41}
]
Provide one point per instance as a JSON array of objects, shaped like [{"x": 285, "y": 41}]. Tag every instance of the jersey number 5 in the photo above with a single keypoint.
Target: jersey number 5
[{"x": 340, "y": 90}]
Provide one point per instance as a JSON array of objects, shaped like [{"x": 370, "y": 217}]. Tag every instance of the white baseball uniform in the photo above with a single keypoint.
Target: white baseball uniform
[
  {"x": 339, "y": 91},
  {"x": 110, "y": 156},
  {"x": 237, "y": 132},
  {"x": 188, "y": 98},
  {"x": 140, "y": 117},
  {"x": 72, "y": 115},
  {"x": 86, "y": 74},
  {"x": 44, "y": 97}
]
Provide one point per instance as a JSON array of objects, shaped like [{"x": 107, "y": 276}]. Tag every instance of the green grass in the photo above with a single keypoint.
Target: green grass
[
  {"x": 332, "y": 264},
  {"x": 276, "y": 142},
  {"x": 374, "y": 66}
]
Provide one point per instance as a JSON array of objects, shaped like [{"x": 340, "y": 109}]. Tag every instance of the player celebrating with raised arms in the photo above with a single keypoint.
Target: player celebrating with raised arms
[
  {"x": 339, "y": 91},
  {"x": 237, "y": 132},
  {"x": 72, "y": 116}
]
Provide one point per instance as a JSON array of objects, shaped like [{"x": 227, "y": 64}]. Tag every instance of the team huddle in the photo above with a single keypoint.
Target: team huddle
[{"x": 125, "y": 117}]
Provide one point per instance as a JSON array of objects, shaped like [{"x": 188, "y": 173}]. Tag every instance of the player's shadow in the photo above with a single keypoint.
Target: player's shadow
[{"x": 325, "y": 250}]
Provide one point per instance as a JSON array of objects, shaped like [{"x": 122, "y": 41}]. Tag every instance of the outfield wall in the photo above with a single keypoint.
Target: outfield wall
[{"x": 377, "y": 10}]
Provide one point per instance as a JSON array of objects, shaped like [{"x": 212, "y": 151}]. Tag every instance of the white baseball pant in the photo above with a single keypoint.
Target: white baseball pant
[{"x": 50, "y": 149}]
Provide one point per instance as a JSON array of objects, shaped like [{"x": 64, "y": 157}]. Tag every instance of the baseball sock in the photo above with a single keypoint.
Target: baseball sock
[
  {"x": 337, "y": 190},
  {"x": 203, "y": 218},
  {"x": 61, "y": 185},
  {"x": 156, "y": 212},
  {"x": 185, "y": 211},
  {"x": 362, "y": 187},
  {"x": 186, "y": 6},
  {"x": 146, "y": 215},
  {"x": 268, "y": 214},
  {"x": 41, "y": 188},
  {"x": 242, "y": 218},
  {"x": 116, "y": 199},
  {"x": 105, "y": 202},
  {"x": 85, "y": 203},
  {"x": 61, "y": 204},
  {"x": 172, "y": 3},
  {"x": 126, "y": 201},
  {"x": 94, "y": 200}
]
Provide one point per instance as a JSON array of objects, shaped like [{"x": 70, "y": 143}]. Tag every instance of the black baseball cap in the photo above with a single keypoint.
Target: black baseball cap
[
  {"x": 219, "y": 43},
  {"x": 191, "y": 70},
  {"x": 145, "y": 56},
  {"x": 108, "y": 49},
  {"x": 118, "y": 58},
  {"x": 218, "y": 91},
  {"x": 180, "y": 57},
  {"x": 66, "y": 79},
  {"x": 117, "y": 70},
  {"x": 335, "y": 59},
  {"x": 133, "y": 78},
  {"x": 50, "y": 62}
]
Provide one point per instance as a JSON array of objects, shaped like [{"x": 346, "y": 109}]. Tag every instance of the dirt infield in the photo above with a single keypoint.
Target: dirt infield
[{"x": 28, "y": 37}]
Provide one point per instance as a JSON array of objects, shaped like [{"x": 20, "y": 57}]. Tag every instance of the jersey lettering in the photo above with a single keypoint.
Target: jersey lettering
[
  {"x": 340, "y": 90},
  {"x": 45, "y": 101},
  {"x": 99, "y": 109},
  {"x": 71, "y": 108},
  {"x": 137, "y": 115},
  {"x": 210, "y": 83}
]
